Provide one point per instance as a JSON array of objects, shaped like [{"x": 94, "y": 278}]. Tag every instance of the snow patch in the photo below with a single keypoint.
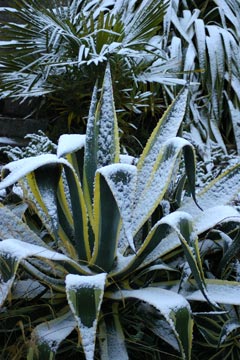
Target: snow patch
[
  {"x": 69, "y": 143},
  {"x": 74, "y": 282}
]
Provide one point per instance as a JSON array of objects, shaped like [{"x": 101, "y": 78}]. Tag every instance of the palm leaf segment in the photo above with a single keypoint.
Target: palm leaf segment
[{"x": 90, "y": 203}]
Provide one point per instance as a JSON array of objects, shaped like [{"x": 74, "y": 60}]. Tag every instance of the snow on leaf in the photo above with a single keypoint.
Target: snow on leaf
[
  {"x": 201, "y": 42},
  {"x": 235, "y": 116},
  {"x": 222, "y": 292},
  {"x": 20, "y": 168},
  {"x": 122, "y": 179},
  {"x": 189, "y": 63},
  {"x": 166, "y": 129},
  {"x": 174, "y": 307},
  {"x": 227, "y": 329},
  {"x": 13, "y": 251},
  {"x": 69, "y": 143},
  {"x": 11, "y": 226},
  {"x": 53, "y": 332},
  {"x": 108, "y": 144},
  {"x": 211, "y": 217},
  {"x": 85, "y": 295},
  {"x": 20, "y": 250},
  {"x": 153, "y": 185},
  {"x": 27, "y": 289},
  {"x": 202, "y": 220},
  {"x": 220, "y": 191}
]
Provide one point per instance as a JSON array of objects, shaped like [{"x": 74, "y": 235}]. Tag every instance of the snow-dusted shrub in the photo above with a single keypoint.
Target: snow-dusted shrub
[{"x": 116, "y": 240}]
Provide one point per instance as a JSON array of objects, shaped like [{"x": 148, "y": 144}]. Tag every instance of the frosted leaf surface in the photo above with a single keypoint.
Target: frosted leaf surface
[
  {"x": 165, "y": 301},
  {"x": 235, "y": 116},
  {"x": 201, "y": 42},
  {"x": 122, "y": 179},
  {"x": 235, "y": 82},
  {"x": 226, "y": 293},
  {"x": 52, "y": 333},
  {"x": 69, "y": 143},
  {"x": 106, "y": 124},
  {"x": 166, "y": 129},
  {"x": 4, "y": 289},
  {"x": 152, "y": 186},
  {"x": 74, "y": 284},
  {"x": 20, "y": 250},
  {"x": 189, "y": 63},
  {"x": 27, "y": 289},
  {"x": 12, "y": 227},
  {"x": 92, "y": 282},
  {"x": 227, "y": 12},
  {"x": 218, "y": 192},
  {"x": 212, "y": 216},
  {"x": 20, "y": 168}
]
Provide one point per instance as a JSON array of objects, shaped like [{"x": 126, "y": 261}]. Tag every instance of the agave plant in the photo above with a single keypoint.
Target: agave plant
[{"x": 114, "y": 241}]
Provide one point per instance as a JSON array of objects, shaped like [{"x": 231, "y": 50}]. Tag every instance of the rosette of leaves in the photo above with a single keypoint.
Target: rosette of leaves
[{"x": 114, "y": 241}]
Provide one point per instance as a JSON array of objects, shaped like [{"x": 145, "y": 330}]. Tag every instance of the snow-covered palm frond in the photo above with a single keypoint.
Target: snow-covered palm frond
[
  {"x": 206, "y": 41},
  {"x": 54, "y": 40}
]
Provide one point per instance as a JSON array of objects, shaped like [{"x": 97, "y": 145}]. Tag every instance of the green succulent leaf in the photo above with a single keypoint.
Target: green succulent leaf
[
  {"x": 112, "y": 339},
  {"x": 166, "y": 129},
  {"x": 164, "y": 168},
  {"x": 172, "y": 306},
  {"x": 230, "y": 330},
  {"x": 218, "y": 192},
  {"x": 231, "y": 253},
  {"x": 13, "y": 252},
  {"x": 11, "y": 226},
  {"x": 178, "y": 226},
  {"x": 79, "y": 214},
  {"x": 219, "y": 291},
  {"x": 113, "y": 184},
  {"x": 102, "y": 143},
  {"x": 202, "y": 220},
  {"x": 49, "y": 335},
  {"x": 122, "y": 179},
  {"x": 85, "y": 295}
]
